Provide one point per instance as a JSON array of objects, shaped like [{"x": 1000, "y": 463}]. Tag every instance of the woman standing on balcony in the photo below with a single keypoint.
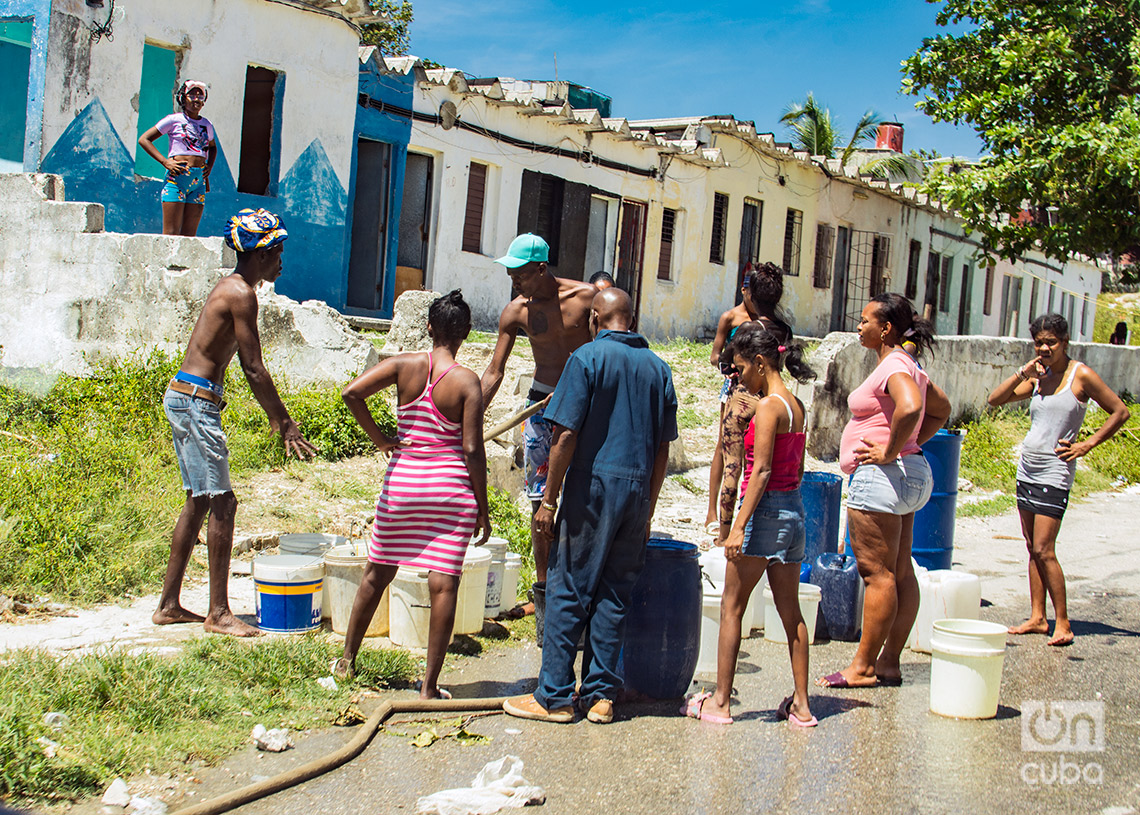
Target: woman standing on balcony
[{"x": 192, "y": 154}]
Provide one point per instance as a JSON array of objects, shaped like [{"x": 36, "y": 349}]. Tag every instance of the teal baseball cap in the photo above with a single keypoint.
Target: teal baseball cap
[{"x": 524, "y": 249}]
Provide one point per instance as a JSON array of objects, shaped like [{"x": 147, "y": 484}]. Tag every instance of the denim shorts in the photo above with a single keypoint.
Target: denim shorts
[
  {"x": 899, "y": 488},
  {"x": 776, "y": 529},
  {"x": 199, "y": 443}
]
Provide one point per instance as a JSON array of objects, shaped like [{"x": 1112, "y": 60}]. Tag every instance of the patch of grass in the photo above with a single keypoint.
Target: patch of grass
[
  {"x": 91, "y": 486},
  {"x": 1120, "y": 455},
  {"x": 129, "y": 713},
  {"x": 688, "y": 484},
  {"x": 987, "y": 451},
  {"x": 513, "y": 525},
  {"x": 996, "y": 505},
  {"x": 1112, "y": 308},
  {"x": 688, "y": 418},
  {"x": 684, "y": 348}
]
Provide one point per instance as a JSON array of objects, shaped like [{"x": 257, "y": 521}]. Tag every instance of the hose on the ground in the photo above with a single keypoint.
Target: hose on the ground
[
  {"x": 517, "y": 418},
  {"x": 322, "y": 765}
]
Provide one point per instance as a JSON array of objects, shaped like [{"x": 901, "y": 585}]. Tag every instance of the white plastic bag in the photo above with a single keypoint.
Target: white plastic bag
[{"x": 499, "y": 785}]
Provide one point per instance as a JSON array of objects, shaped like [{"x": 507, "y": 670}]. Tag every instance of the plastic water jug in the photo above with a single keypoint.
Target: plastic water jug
[
  {"x": 944, "y": 594},
  {"x": 841, "y": 605}
]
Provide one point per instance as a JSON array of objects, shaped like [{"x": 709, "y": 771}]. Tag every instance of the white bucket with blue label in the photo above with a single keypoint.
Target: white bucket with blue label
[{"x": 287, "y": 592}]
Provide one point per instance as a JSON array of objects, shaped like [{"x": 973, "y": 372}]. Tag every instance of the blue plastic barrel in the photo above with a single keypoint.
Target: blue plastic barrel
[
  {"x": 663, "y": 627},
  {"x": 841, "y": 588},
  {"x": 821, "y": 493},
  {"x": 934, "y": 523}
]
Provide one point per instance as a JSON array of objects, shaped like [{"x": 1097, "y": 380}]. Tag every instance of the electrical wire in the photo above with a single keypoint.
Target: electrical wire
[{"x": 105, "y": 30}]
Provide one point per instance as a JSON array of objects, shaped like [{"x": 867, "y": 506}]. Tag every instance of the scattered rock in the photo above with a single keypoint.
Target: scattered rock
[
  {"x": 678, "y": 459},
  {"x": 6, "y": 604},
  {"x": 255, "y": 542},
  {"x": 141, "y": 805},
  {"x": 273, "y": 741},
  {"x": 56, "y": 721},
  {"x": 965, "y": 485},
  {"x": 50, "y": 747},
  {"x": 327, "y": 682},
  {"x": 409, "y": 323},
  {"x": 118, "y": 794}
]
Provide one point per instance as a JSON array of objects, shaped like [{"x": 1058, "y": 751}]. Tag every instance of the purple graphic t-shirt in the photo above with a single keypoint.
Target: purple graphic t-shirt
[{"x": 188, "y": 137}]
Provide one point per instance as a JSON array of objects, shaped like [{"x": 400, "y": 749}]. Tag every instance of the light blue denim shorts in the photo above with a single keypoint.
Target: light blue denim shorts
[
  {"x": 899, "y": 488},
  {"x": 776, "y": 529},
  {"x": 199, "y": 443}
]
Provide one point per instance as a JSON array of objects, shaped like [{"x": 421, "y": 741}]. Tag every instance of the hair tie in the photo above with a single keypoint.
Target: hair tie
[
  {"x": 909, "y": 332},
  {"x": 782, "y": 348}
]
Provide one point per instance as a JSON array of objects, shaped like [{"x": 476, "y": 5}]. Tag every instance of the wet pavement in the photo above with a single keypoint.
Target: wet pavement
[{"x": 878, "y": 750}]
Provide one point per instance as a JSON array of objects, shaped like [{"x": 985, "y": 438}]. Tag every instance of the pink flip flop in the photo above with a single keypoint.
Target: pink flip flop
[
  {"x": 784, "y": 711},
  {"x": 694, "y": 709}
]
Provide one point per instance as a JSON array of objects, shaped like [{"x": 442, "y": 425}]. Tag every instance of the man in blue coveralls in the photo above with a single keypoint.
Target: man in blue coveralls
[{"x": 615, "y": 412}]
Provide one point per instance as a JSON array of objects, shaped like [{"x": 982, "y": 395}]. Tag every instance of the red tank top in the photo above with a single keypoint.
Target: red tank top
[{"x": 787, "y": 456}]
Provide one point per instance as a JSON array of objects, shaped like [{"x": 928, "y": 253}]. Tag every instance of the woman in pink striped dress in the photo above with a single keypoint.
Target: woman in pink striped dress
[{"x": 435, "y": 490}]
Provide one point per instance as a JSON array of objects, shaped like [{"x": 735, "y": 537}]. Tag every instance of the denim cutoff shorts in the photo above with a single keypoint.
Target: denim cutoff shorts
[
  {"x": 199, "y": 443},
  {"x": 900, "y": 487},
  {"x": 776, "y": 529}
]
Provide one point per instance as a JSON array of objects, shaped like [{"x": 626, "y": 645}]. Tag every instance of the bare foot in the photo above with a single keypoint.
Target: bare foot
[
  {"x": 178, "y": 614},
  {"x": 230, "y": 625},
  {"x": 888, "y": 673},
  {"x": 1062, "y": 635},
  {"x": 847, "y": 678},
  {"x": 1031, "y": 627}
]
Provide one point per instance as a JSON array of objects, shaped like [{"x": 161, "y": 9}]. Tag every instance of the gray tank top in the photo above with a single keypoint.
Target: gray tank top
[{"x": 1052, "y": 418}]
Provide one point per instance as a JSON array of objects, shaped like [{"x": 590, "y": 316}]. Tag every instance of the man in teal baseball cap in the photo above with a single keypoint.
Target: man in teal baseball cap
[
  {"x": 554, "y": 313},
  {"x": 524, "y": 249}
]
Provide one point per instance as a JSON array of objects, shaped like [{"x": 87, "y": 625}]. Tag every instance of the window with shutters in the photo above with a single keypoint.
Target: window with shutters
[
  {"x": 988, "y": 296},
  {"x": 824, "y": 247},
  {"x": 944, "y": 285},
  {"x": 473, "y": 217},
  {"x": 1033, "y": 299},
  {"x": 720, "y": 216},
  {"x": 668, "y": 233},
  {"x": 880, "y": 262},
  {"x": 793, "y": 229},
  {"x": 911, "y": 291}
]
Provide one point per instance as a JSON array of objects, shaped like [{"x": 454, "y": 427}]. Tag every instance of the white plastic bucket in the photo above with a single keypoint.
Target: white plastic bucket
[
  {"x": 313, "y": 544},
  {"x": 287, "y": 592},
  {"x": 710, "y": 630},
  {"x": 943, "y": 595},
  {"x": 495, "y": 575},
  {"x": 714, "y": 565},
  {"x": 409, "y": 608},
  {"x": 810, "y": 596},
  {"x": 344, "y": 569},
  {"x": 511, "y": 570},
  {"x": 965, "y": 668},
  {"x": 472, "y": 591}
]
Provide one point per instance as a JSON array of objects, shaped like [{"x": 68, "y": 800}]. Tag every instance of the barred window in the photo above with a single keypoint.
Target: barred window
[
  {"x": 720, "y": 215},
  {"x": 824, "y": 248},
  {"x": 793, "y": 229}
]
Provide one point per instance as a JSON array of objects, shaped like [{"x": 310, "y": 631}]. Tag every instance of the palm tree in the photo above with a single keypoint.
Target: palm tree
[{"x": 813, "y": 130}]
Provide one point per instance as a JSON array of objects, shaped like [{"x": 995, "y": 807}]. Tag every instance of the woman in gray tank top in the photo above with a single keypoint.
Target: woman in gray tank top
[{"x": 1059, "y": 389}]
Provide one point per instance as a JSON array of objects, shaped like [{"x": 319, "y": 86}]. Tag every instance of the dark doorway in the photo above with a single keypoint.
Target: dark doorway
[
  {"x": 369, "y": 225},
  {"x": 839, "y": 278},
  {"x": 260, "y": 133},
  {"x": 415, "y": 224},
  {"x": 15, "y": 66},
  {"x": 964, "y": 301},
  {"x": 631, "y": 250}
]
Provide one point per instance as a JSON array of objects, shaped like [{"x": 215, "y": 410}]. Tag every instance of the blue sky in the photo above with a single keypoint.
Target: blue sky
[{"x": 697, "y": 59}]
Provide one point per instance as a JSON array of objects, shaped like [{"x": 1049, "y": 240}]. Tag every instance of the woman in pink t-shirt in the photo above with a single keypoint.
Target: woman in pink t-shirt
[
  {"x": 192, "y": 153},
  {"x": 895, "y": 410}
]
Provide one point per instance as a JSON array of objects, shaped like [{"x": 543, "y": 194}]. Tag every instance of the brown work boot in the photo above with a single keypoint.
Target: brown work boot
[
  {"x": 527, "y": 707},
  {"x": 601, "y": 712}
]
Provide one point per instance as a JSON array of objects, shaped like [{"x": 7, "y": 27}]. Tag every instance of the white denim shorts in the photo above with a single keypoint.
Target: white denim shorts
[{"x": 899, "y": 488}]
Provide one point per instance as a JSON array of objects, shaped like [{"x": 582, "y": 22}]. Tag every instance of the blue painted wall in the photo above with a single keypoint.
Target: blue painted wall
[
  {"x": 96, "y": 166},
  {"x": 39, "y": 13},
  {"x": 394, "y": 89}
]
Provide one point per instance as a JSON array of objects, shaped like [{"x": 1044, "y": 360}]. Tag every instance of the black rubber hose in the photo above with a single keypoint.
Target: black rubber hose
[{"x": 322, "y": 765}]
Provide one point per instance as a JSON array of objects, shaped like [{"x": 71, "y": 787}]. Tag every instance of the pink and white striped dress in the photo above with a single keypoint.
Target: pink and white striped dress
[{"x": 426, "y": 514}]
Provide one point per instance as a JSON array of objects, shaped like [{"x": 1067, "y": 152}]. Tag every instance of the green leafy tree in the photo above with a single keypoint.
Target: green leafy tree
[
  {"x": 813, "y": 129},
  {"x": 394, "y": 36},
  {"x": 1052, "y": 87}
]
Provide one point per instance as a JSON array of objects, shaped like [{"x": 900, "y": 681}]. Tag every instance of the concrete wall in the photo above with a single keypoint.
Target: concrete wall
[
  {"x": 75, "y": 295},
  {"x": 90, "y": 122},
  {"x": 966, "y": 367}
]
